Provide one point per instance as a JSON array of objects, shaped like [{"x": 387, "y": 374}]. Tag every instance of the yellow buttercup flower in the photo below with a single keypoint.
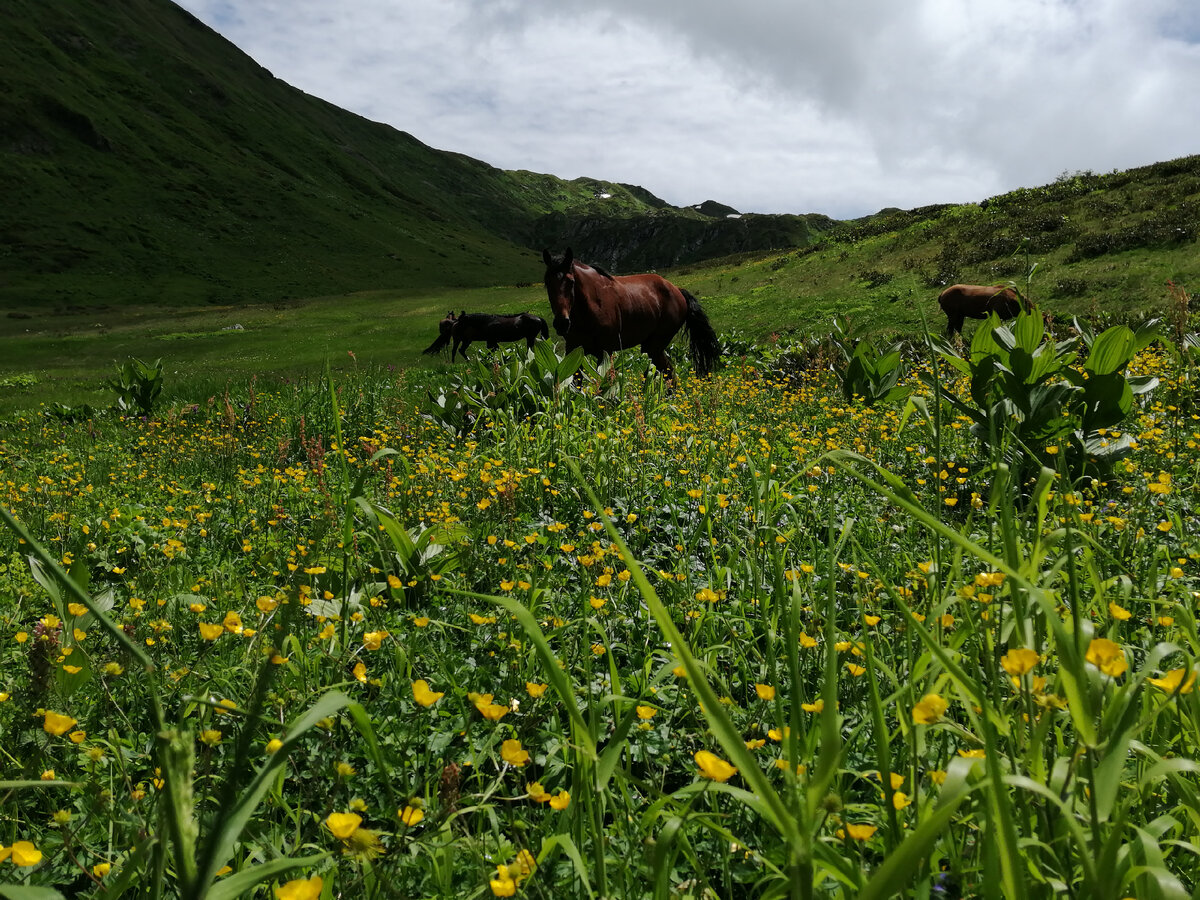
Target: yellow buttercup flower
[
  {"x": 712, "y": 766},
  {"x": 57, "y": 723},
  {"x": 424, "y": 695},
  {"x": 1107, "y": 656},
  {"x": 22, "y": 853},
  {"x": 1174, "y": 681},
  {"x": 513, "y": 753},
  {"x": 342, "y": 825},
  {"x": 300, "y": 889},
  {"x": 266, "y": 604},
  {"x": 534, "y": 689},
  {"x": 373, "y": 640},
  {"x": 860, "y": 832},
  {"x": 1019, "y": 660},
  {"x": 411, "y": 815},
  {"x": 211, "y": 631},
  {"x": 814, "y": 707},
  {"x": 560, "y": 801},
  {"x": 646, "y": 713},
  {"x": 930, "y": 708},
  {"x": 503, "y": 885},
  {"x": 764, "y": 691},
  {"x": 494, "y": 712}
]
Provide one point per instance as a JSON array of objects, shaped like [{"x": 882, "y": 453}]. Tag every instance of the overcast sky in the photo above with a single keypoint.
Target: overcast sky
[{"x": 835, "y": 106}]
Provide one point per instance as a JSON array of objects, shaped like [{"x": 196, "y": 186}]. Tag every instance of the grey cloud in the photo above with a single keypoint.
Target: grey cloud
[{"x": 770, "y": 105}]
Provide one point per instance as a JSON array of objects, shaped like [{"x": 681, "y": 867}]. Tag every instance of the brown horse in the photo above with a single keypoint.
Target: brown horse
[
  {"x": 468, "y": 327},
  {"x": 603, "y": 313},
  {"x": 978, "y": 301}
]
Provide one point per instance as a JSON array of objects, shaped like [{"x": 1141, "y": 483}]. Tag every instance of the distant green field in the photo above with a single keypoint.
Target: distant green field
[
  {"x": 70, "y": 356},
  {"x": 876, "y": 282}
]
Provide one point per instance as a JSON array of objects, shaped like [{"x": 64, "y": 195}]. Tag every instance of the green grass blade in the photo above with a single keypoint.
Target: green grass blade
[
  {"x": 553, "y": 671},
  {"x": 28, "y": 892},
  {"x": 900, "y": 865},
  {"x": 722, "y": 726},
  {"x": 237, "y": 885},
  {"x": 222, "y": 844}
]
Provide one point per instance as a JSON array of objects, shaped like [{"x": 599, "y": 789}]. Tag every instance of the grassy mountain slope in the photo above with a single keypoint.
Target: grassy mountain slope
[
  {"x": 143, "y": 158},
  {"x": 1084, "y": 244}
]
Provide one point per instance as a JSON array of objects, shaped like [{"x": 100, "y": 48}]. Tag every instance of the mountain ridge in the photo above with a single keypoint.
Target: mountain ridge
[{"x": 148, "y": 159}]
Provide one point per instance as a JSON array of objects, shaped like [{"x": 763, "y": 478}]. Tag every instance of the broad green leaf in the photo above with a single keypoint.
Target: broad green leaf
[
  {"x": 1029, "y": 330},
  {"x": 1111, "y": 351}
]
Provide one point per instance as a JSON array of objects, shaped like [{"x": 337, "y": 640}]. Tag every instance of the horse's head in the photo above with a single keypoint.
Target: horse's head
[
  {"x": 447, "y": 324},
  {"x": 560, "y": 288}
]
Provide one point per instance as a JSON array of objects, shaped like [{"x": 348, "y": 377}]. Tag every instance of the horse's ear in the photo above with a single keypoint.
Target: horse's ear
[{"x": 547, "y": 258}]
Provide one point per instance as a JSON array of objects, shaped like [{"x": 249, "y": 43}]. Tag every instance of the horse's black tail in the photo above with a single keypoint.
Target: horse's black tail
[
  {"x": 543, "y": 327},
  {"x": 705, "y": 347},
  {"x": 440, "y": 344}
]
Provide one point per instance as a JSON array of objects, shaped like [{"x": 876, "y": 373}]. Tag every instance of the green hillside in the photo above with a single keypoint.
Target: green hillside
[
  {"x": 1085, "y": 244},
  {"x": 144, "y": 158}
]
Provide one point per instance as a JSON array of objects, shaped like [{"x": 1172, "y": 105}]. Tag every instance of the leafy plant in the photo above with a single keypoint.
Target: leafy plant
[
  {"x": 512, "y": 384},
  {"x": 870, "y": 373},
  {"x": 1026, "y": 395},
  {"x": 138, "y": 385}
]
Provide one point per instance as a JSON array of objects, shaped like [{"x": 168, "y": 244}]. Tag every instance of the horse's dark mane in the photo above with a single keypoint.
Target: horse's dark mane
[
  {"x": 603, "y": 272},
  {"x": 557, "y": 263}
]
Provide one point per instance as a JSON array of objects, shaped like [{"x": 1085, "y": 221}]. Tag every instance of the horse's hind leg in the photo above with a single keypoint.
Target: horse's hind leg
[
  {"x": 662, "y": 362},
  {"x": 460, "y": 347}
]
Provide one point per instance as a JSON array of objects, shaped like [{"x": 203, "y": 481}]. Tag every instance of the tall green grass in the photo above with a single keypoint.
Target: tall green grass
[{"x": 514, "y": 631}]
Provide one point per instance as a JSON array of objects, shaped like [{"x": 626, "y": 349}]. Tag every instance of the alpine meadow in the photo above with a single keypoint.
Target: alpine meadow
[{"x": 289, "y": 609}]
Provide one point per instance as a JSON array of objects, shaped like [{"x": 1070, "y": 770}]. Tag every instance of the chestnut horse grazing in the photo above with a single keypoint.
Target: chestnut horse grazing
[
  {"x": 978, "y": 301},
  {"x": 468, "y": 327},
  {"x": 604, "y": 313}
]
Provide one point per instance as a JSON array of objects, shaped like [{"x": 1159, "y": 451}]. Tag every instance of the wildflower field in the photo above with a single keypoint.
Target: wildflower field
[{"x": 503, "y": 633}]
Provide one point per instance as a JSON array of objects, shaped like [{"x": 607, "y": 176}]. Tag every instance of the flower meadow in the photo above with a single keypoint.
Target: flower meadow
[{"x": 747, "y": 637}]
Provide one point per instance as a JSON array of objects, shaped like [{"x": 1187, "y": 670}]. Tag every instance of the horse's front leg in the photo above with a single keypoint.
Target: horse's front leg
[{"x": 460, "y": 348}]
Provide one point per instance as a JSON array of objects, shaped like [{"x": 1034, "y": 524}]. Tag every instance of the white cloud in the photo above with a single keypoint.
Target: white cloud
[{"x": 768, "y": 105}]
